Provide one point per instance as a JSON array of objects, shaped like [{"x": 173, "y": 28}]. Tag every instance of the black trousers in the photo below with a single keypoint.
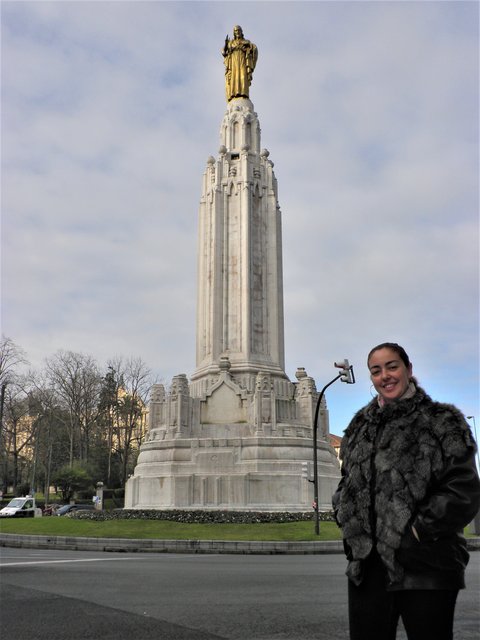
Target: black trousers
[{"x": 374, "y": 612}]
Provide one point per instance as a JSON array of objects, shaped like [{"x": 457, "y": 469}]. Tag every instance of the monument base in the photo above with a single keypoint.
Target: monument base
[
  {"x": 248, "y": 474},
  {"x": 261, "y": 460}
]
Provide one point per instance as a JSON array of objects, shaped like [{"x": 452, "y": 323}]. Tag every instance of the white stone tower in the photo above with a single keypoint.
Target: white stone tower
[
  {"x": 240, "y": 289},
  {"x": 239, "y": 435}
]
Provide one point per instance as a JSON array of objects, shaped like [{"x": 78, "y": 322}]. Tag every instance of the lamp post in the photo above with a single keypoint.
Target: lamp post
[
  {"x": 472, "y": 418},
  {"x": 2, "y": 404},
  {"x": 475, "y": 525},
  {"x": 346, "y": 374}
]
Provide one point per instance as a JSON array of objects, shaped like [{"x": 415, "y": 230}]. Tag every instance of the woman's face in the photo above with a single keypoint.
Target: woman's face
[{"x": 389, "y": 375}]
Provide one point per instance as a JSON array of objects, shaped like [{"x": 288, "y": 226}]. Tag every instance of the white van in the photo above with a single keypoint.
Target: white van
[{"x": 21, "y": 508}]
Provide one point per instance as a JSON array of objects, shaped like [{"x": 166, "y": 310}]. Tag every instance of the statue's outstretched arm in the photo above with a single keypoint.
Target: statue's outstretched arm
[{"x": 225, "y": 46}]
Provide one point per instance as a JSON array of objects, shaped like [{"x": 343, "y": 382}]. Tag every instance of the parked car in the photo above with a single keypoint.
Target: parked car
[{"x": 68, "y": 508}]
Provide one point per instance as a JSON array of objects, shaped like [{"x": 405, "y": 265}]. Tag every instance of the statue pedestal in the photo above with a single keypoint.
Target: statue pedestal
[
  {"x": 256, "y": 461},
  {"x": 239, "y": 474}
]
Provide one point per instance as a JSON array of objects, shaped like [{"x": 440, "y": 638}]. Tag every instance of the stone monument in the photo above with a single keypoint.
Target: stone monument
[{"x": 238, "y": 435}]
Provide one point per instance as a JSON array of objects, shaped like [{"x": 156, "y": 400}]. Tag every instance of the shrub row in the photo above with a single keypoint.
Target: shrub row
[{"x": 204, "y": 517}]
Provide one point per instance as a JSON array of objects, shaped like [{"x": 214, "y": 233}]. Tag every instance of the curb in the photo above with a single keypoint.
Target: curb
[{"x": 65, "y": 543}]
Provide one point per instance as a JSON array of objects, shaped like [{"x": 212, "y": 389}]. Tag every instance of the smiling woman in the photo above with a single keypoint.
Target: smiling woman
[
  {"x": 409, "y": 486},
  {"x": 390, "y": 371}
]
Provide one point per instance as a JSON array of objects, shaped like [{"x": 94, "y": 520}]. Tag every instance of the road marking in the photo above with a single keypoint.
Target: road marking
[{"x": 34, "y": 562}]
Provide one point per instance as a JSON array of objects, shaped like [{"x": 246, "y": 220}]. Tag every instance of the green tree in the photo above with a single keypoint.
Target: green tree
[
  {"x": 70, "y": 479},
  {"x": 134, "y": 380},
  {"x": 108, "y": 416}
]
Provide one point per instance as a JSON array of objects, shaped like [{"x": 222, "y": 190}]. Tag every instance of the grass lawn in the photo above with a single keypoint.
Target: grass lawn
[{"x": 166, "y": 530}]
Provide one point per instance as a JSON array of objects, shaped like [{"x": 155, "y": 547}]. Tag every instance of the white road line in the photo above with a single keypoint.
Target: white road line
[{"x": 23, "y": 564}]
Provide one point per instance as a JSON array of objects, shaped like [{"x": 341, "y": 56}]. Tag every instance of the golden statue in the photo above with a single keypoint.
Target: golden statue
[{"x": 240, "y": 58}]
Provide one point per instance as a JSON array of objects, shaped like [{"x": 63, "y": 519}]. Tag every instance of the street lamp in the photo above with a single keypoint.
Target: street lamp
[
  {"x": 346, "y": 375},
  {"x": 472, "y": 418}
]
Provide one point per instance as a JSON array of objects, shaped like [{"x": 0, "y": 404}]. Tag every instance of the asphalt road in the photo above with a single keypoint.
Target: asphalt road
[{"x": 68, "y": 595}]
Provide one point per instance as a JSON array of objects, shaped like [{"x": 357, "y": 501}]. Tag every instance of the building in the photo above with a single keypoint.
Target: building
[{"x": 335, "y": 442}]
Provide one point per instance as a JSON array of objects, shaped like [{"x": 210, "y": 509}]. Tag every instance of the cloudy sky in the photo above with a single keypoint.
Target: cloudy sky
[{"x": 370, "y": 113}]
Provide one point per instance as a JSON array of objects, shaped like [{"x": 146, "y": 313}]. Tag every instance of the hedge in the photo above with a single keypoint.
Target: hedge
[{"x": 203, "y": 517}]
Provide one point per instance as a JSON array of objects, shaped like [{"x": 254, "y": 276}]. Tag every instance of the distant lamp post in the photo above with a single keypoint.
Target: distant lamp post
[
  {"x": 2, "y": 404},
  {"x": 346, "y": 375},
  {"x": 472, "y": 418},
  {"x": 475, "y": 525}
]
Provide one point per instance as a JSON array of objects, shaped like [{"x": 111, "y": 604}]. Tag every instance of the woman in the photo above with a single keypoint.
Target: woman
[
  {"x": 409, "y": 486},
  {"x": 240, "y": 57}
]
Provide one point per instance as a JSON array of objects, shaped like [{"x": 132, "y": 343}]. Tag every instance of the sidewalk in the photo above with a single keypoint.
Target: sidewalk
[{"x": 66, "y": 543}]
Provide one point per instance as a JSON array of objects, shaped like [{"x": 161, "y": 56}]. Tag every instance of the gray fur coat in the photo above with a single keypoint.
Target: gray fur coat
[{"x": 402, "y": 466}]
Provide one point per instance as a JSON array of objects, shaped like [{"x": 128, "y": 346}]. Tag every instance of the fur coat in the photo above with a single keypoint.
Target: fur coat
[{"x": 403, "y": 466}]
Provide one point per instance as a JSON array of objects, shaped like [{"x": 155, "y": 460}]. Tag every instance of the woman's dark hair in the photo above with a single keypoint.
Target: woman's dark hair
[{"x": 400, "y": 351}]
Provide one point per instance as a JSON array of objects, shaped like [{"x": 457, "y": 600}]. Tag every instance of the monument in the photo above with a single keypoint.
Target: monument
[{"x": 238, "y": 435}]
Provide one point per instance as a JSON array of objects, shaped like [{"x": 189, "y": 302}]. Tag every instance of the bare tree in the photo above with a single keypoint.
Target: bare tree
[
  {"x": 12, "y": 357},
  {"x": 19, "y": 434},
  {"x": 76, "y": 380},
  {"x": 50, "y": 419}
]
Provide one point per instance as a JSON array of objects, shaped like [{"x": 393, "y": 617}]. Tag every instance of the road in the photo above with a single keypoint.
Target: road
[{"x": 68, "y": 595}]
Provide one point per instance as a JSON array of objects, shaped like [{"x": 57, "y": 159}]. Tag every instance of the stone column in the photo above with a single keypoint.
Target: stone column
[{"x": 240, "y": 282}]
